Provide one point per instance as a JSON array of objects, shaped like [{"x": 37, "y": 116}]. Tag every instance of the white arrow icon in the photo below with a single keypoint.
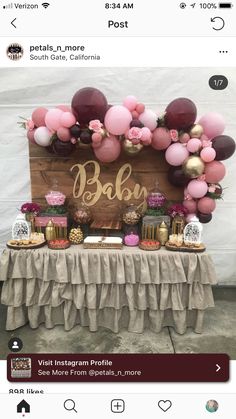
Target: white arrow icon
[{"x": 218, "y": 368}]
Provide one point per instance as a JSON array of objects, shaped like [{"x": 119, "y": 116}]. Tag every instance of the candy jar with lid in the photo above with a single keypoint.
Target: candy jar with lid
[
  {"x": 156, "y": 198},
  {"x": 55, "y": 199},
  {"x": 82, "y": 214},
  {"x": 131, "y": 215}
]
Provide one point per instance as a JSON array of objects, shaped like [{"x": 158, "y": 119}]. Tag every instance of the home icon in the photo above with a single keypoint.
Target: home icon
[{"x": 23, "y": 407}]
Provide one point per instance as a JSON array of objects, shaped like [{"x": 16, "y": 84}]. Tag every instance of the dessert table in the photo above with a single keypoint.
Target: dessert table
[{"x": 128, "y": 288}]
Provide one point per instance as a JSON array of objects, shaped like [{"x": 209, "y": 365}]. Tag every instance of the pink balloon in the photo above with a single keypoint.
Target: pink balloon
[
  {"x": 30, "y": 136},
  {"x": 193, "y": 145},
  {"x": 135, "y": 114},
  {"x": 149, "y": 119},
  {"x": 117, "y": 120},
  {"x": 38, "y": 117},
  {"x": 146, "y": 135},
  {"x": 42, "y": 136},
  {"x": 140, "y": 108},
  {"x": 161, "y": 139},
  {"x": 109, "y": 150},
  {"x": 64, "y": 134},
  {"x": 197, "y": 188},
  {"x": 214, "y": 171},
  {"x": 213, "y": 124},
  {"x": 176, "y": 154},
  {"x": 53, "y": 119},
  {"x": 64, "y": 108},
  {"x": 206, "y": 205},
  {"x": 208, "y": 154},
  {"x": 189, "y": 217},
  {"x": 67, "y": 119},
  {"x": 130, "y": 102},
  {"x": 190, "y": 205}
]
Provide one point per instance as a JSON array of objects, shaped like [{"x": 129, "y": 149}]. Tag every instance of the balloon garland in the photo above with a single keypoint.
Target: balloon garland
[{"x": 194, "y": 150}]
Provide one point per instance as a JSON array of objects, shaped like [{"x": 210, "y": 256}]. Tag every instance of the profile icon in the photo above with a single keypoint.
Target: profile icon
[
  {"x": 212, "y": 406},
  {"x": 15, "y": 344},
  {"x": 15, "y": 52}
]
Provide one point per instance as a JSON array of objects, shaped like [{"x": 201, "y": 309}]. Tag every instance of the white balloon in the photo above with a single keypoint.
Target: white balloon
[
  {"x": 42, "y": 136},
  {"x": 149, "y": 119}
]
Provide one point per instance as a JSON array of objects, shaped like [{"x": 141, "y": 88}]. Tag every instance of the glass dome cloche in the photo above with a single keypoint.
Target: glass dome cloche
[{"x": 156, "y": 198}]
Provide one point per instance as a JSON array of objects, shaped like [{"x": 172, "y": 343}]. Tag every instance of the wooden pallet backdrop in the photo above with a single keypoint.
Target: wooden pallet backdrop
[{"x": 147, "y": 167}]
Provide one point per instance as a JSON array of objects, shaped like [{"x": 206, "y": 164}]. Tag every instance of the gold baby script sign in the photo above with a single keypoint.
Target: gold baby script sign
[{"x": 89, "y": 187}]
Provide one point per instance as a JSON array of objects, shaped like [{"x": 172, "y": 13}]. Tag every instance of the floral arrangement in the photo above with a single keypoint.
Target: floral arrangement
[
  {"x": 177, "y": 209},
  {"x": 30, "y": 208},
  {"x": 194, "y": 148}
]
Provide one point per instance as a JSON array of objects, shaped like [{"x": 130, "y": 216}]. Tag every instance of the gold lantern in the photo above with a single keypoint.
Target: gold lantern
[
  {"x": 178, "y": 225},
  {"x": 50, "y": 231}
]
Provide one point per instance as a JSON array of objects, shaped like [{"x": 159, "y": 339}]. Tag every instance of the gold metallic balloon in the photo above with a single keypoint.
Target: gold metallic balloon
[
  {"x": 130, "y": 148},
  {"x": 193, "y": 167},
  {"x": 196, "y": 131}
]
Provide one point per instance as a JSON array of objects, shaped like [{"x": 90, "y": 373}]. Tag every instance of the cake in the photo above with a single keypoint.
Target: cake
[{"x": 96, "y": 242}]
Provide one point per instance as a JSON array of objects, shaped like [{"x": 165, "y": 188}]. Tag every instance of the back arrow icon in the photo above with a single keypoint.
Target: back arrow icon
[
  {"x": 12, "y": 22},
  {"x": 213, "y": 19},
  {"x": 218, "y": 368}
]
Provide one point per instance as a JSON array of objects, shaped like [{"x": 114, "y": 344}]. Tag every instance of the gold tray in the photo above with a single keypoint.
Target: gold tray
[
  {"x": 183, "y": 248},
  {"x": 102, "y": 245},
  {"x": 26, "y": 246}
]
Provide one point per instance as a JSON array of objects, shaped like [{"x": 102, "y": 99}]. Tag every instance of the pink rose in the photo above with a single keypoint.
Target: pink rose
[
  {"x": 206, "y": 143},
  {"x": 134, "y": 133},
  {"x": 95, "y": 125},
  {"x": 212, "y": 188},
  {"x": 29, "y": 124},
  {"x": 174, "y": 135}
]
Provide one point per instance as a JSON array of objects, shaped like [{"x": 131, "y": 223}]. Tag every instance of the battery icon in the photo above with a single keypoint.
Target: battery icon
[{"x": 225, "y": 5}]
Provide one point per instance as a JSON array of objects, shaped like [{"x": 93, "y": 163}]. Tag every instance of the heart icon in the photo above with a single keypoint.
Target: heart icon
[{"x": 164, "y": 405}]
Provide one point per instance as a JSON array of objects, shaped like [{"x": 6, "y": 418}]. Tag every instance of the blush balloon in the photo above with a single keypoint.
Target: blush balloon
[
  {"x": 53, "y": 119},
  {"x": 180, "y": 114},
  {"x": 197, "y": 188},
  {"x": 206, "y": 205},
  {"x": 189, "y": 217},
  {"x": 176, "y": 154},
  {"x": 161, "y": 139},
  {"x": 64, "y": 134},
  {"x": 38, "y": 116},
  {"x": 109, "y": 150},
  {"x": 117, "y": 120},
  {"x": 64, "y": 108},
  {"x": 30, "y": 136},
  {"x": 194, "y": 145},
  {"x": 67, "y": 119},
  {"x": 149, "y": 119},
  {"x": 140, "y": 108},
  {"x": 208, "y": 154},
  {"x": 213, "y": 124},
  {"x": 190, "y": 205},
  {"x": 130, "y": 102},
  {"x": 214, "y": 171}
]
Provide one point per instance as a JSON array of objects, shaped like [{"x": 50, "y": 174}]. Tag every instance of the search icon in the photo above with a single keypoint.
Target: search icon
[{"x": 69, "y": 405}]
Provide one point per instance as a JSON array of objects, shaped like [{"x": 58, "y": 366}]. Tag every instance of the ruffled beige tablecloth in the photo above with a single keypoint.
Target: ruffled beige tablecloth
[{"x": 112, "y": 288}]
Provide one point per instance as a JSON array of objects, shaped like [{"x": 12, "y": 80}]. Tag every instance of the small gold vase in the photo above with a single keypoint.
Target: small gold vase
[
  {"x": 163, "y": 233},
  {"x": 29, "y": 216}
]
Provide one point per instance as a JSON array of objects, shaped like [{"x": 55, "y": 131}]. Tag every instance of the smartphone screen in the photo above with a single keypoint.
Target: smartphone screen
[{"x": 117, "y": 209}]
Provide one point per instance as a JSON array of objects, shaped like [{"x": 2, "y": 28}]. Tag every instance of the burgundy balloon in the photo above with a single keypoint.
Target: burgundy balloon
[
  {"x": 180, "y": 114},
  {"x": 136, "y": 123},
  {"x": 86, "y": 137},
  {"x": 177, "y": 177},
  {"x": 63, "y": 149},
  {"x": 88, "y": 104},
  {"x": 224, "y": 147},
  {"x": 75, "y": 131},
  {"x": 204, "y": 218}
]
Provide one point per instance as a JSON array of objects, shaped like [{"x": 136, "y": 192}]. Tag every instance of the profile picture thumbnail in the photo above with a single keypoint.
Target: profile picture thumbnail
[{"x": 212, "y": 406}]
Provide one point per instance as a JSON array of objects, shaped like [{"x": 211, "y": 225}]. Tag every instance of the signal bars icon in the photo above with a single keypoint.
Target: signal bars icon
[{"x": 8, "y": 6}]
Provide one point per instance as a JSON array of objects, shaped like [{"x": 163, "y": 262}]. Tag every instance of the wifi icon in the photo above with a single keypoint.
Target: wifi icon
[{"x": 45, "y": 5}]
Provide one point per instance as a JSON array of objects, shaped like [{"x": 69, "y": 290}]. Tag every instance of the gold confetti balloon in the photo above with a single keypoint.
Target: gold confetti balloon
[
  {"x": 76, "y": 235},
  {"x": 193, "y": 167},
  {"x": 130, "y": 148}
]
